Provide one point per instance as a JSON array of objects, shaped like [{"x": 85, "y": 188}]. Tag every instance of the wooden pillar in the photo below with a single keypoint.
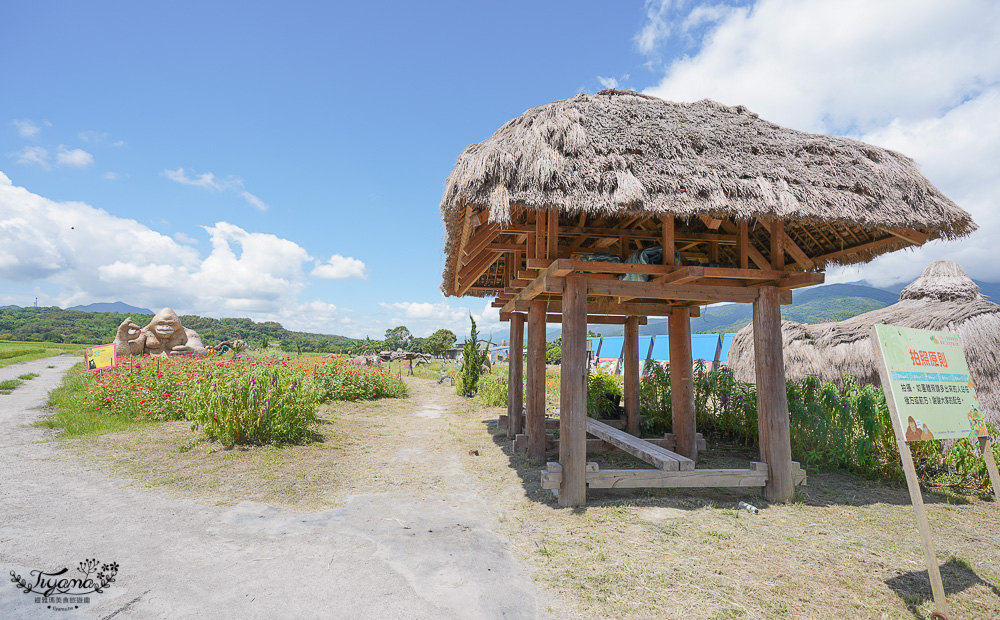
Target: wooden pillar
[
  {"x": 632, "y": 375},
  {"x": 573, "y": 394},
  {"x": 667, "y": 240},
  {"x": 536, "y": 380},
  {"x": 777, "y": 228},
  {"x": 743, "y": 249},
  {"x": 682, "y": 382},
  {"x": 552, "y": 238},
  {"x": 515, "y": 376},
  {"x": 772, "y": 400}
]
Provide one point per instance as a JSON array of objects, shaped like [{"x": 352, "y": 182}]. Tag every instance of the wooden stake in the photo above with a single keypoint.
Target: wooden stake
[
  {"x": 536, "y": 380},
  {"x": 991, "y": 464},
  {"x": 912, "y": 483},
  {"x": 772, "y": 400},
  {"x": 573, "y": 398},
  {"x": 682, "y": 382},
  {"x": 631, "y": 386},
  {"x": 515, "y": 379}
]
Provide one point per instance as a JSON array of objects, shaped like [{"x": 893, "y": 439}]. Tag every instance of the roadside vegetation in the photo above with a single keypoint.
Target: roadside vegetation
[{"x": 17, "y": 352}]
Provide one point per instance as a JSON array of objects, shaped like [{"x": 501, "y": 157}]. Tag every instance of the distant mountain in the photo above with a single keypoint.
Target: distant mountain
[
  {"x": 118, "y": 306},
  {"x": 6, "y": 307}
]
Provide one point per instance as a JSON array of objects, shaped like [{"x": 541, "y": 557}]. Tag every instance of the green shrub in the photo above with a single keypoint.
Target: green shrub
[
  {"x": 492, "y": 390},
  {"x": 553, "y": 355},
  {"x": 602, "y": 387},
  {"x": 262, "y": 404},
  {"x": 340, "y": 380},
  {"x": 472, "y": 362}
]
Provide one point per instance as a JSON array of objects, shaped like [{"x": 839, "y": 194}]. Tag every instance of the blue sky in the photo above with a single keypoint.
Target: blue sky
[{"x": 286, "y": 162}]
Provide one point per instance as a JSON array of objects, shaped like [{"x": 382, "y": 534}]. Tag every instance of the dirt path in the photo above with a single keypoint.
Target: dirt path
[{"x": 427, "y": 548}]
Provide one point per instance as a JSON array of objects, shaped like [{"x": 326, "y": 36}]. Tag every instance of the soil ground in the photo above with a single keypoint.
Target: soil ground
[{"x": 419, "y": 507}]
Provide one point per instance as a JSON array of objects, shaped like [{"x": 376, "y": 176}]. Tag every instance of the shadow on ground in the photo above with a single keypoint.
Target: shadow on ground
[{"x": 914, "y": 587}]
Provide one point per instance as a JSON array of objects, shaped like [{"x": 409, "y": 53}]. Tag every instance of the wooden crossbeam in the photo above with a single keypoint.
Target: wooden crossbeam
[
  {"x": 503, "y": 247},
  {"x": 480, "y": 239},
  {"x": 796, "y": 252},
  {"x": 659, "y": 290},
  {"x": 472, "y": 272},
  {"x": 556, "y": 268},
  {"x": 604, "y": 307},
  {"x": 913, "y": 236},
  {"x": 864, "y": 247},
  {"x": 592, "y": 319},
  {"x": 711, "y": 222}
]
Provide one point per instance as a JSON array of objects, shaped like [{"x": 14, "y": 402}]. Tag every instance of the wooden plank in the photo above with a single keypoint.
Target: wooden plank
[
  {"x": 681, "y": 275},
  {"x": 711, "y": 222},
  {"x": 535, "y": 426},
  {"x": 631, "y": 382},
  {"x": 515, "y": 376},
  {"x": 796, "y": 252},
  {"x": 503, "y": 247},
  {"x": 475, "y": 271},
  {"x": 592, "y": 319},
  {"x": 573, "y": 396},
  {"x": 772, "y": 400},
  {"x": 599, "y": 445},
  {"x": 682, "y": 383},
  {"x": 687, "y": 292},
  {"x": 658, "y": 457},
  {"x": 912, "y": 483}
]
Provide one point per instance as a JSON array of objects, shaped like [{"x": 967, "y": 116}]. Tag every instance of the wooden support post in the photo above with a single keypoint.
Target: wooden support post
[
  {"x": 573, "y": 398},
  {"x": 991, "y": 464},
  {"x": 632, "y": 375},
  {"x": 536, "y": 380},
  {"x": 668, "y": 239},
  {"x": 515, "y": 378},
  {"x": 777, "y": 228},
  {"x": 772, "y": 400},
  {"x": 552, "y": 247},
  {"x": 682, "y": 382},
  {"x": 743, "y": 249}
]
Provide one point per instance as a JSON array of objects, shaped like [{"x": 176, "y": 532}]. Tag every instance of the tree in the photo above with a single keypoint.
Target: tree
[
  {"x": 398, "y": 338},
  {"x": 439, "y": 342},
  {"x": 472, "y": 362}
]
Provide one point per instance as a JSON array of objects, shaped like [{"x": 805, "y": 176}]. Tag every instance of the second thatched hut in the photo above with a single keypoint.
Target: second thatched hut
[{"x": 943, "y": 298}]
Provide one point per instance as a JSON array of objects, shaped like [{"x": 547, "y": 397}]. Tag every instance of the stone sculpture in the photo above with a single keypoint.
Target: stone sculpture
[{"x": 164, "y": 335}]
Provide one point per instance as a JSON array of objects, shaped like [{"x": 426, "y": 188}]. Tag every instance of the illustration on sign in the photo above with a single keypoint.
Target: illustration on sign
[
  {"x": 930, "y": 382},
  {"x": 100, "y": 357}
]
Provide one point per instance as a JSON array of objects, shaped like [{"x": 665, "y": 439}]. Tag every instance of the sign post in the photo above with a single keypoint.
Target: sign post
[{"x": 930, "y": 396}]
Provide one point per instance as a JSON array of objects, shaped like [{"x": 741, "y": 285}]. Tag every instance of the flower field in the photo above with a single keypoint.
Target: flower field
[{"x": 251, "y": 400}]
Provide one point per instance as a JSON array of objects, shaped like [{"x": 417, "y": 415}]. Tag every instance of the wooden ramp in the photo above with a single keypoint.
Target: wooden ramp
[
  {"x": 658, "y": 457},
  {"x": 596, "y": 478}
]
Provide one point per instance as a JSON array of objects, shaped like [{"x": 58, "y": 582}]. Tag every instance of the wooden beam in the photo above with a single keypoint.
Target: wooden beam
[
  {"x": 913, "y": 236},
  {"x": 480, "y": 240},
  {"x": 667, "y": 238},
  {"x": 772, "y": 400},
  {"x": 535, "y": 426},
  {"x": 681, "y": 275},
  {"x": 555, "y": 269},
  {"x": 682, "y": 383},
  {"x": 591, "y": 319},
  {"x": 756, "y": 476},
  {"x": 743, "y": 248},
  {"x": 711, "y": 222},
  {"x": 474, "y": 272},
  {"x": 540, "y": 233},
  {"x": 687, "y": 292},
  {"x": 796, "y": 252},
  {"x": 503, "y": 247},
  {"x": 631, "y": 372},
  {"x": 573, "y": 395},
  {"x": 515, "y": 376},
  {"x": 552, "y": 247}
]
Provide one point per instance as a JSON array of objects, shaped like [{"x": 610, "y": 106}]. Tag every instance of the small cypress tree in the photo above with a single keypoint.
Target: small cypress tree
[{"x": 473, "y": 360}]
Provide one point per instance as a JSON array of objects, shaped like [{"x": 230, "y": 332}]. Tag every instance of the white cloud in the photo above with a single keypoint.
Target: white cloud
[
  {"x": 111, "y": 176},
  {"x": 92, "y": 136},
  {"x": 340, "y": 268},
  {"x": 210, "y": 182},
  {"x": 118, "y": 143},
  {"x": 27, "y": 128},
  {"x": 78, "y": 158},
  {"x": 424, "y": 318},
  {"x": 608, "y": 82},
  {"x": 184, "y": 238},
  {"x": 657, "y": 28},
  {"x": 33, "y": 155},
  {"x": 88, "y": 255},
  {"x": 918, "y": 77}
]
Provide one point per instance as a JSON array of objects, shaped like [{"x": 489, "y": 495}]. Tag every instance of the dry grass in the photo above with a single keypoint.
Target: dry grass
[{"x": 845, "y": 548}]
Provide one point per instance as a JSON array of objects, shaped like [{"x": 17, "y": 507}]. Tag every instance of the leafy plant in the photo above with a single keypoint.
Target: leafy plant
[{"x": 472, "y": 362}]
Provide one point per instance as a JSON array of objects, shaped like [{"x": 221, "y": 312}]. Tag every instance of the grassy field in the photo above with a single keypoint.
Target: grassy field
[
  {"x": 846, "y": 548},
  {"x": 15, "y": 352}
]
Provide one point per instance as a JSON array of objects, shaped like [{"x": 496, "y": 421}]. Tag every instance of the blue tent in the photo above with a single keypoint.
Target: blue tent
[
  {"x": 645, "y": 343},
  {"x": 705, "y": 347},
  {"x": 611, "y": 352},
  {"x": 727, "y": 341},
  {"x": 661, "y": 350}
]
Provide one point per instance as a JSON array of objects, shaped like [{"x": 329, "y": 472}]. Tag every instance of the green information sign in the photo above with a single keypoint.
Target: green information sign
[{"x": 929, "y": 379}]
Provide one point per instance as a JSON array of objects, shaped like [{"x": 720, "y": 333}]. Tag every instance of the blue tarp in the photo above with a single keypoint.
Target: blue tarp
[
  {"x": 661, "y": 349},
  {"x": 704, "y": 347},
  {"x": 727, "y": 341},
  {"x": 611, "y": 348}
]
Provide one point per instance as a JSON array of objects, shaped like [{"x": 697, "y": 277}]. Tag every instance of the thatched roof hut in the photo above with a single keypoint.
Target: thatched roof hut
[
  {"x": 943, "y": 298},
  {"x": 619, "y": 154}
]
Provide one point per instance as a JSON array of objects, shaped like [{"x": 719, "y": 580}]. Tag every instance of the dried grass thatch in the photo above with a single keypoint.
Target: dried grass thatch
[
  {"x": 943, "y": 298},
  {"x": 621, "y": 152}
]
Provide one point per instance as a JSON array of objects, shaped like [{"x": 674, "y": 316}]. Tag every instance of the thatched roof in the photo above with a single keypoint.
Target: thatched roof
[{"x": 942, "y": 299}]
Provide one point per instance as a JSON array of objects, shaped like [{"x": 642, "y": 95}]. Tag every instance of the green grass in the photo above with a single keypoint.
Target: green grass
[
  {"x": 16, "y": 352},
  {"x": 28, "y": 376},
  {"x": 6, "y": 387},
  {"x": 75, "y": 417}
]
